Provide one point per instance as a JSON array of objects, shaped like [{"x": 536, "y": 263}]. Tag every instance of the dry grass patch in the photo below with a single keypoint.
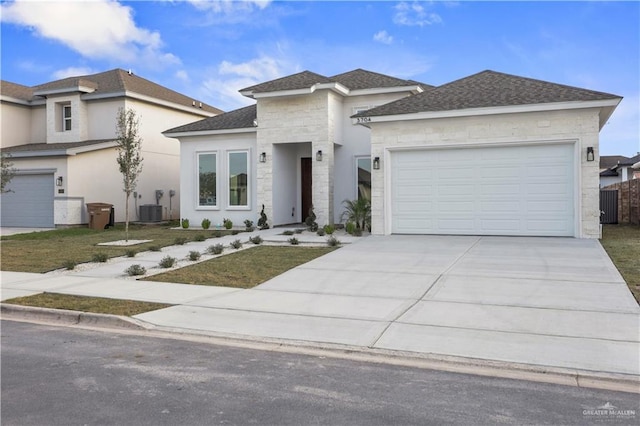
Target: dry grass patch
[
  {"x": 622, "y": 243},
  {"x": 244, "y": 269},
  {"x": 96, "y": 305},
  {"x": 49, "y": 250}
]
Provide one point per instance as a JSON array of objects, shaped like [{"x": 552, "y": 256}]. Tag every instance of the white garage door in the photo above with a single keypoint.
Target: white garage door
[
  {"x": 31, "y": 202},
  {"x": 519, "y": 190}
]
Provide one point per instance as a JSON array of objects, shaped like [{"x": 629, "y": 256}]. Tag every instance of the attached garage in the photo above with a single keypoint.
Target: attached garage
[
  {"x": 31, "y": 202},
  {"x": 509, "y": 190}
]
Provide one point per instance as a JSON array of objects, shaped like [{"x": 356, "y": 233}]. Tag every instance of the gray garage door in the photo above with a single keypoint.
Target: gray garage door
[
  {"x": 31, "y": 202},
  {"x": 516, "y": 190}
]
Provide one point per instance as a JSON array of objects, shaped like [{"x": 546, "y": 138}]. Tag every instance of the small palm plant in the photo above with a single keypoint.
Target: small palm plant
[{"x": 358, "y": 211}]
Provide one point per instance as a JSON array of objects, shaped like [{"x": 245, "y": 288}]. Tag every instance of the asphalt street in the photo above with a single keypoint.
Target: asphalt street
[{"x": 63, "y": 375}]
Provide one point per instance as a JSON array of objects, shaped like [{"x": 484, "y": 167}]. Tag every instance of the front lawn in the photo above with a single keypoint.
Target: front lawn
[
  {"x": 622, "y": 243},
  {"x": 244, "y": 269},
  {"x": 97, "y": 305},
  {"x": 48, "y": 250}
]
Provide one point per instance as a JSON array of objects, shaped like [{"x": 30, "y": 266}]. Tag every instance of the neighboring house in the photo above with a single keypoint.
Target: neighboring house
[
  {"x": 60, "y": 136},
  {"x": 617, "y": 168},
  {"x": 489, "y": 154}
]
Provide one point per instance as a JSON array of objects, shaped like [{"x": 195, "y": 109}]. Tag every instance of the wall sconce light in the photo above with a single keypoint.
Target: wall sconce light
[
  {"x": 59, "y": 181},
  {"x": 376, "y": 163},
  {"x": 590, "y": 155},
  {"x": 263, "y": 157},
  {"x": 319, "y": 155}
]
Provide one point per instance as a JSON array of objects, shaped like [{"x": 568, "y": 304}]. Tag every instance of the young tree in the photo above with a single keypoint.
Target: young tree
[
  {"x": 7, "y": 172},
  {"x": 129, "y": 157}
]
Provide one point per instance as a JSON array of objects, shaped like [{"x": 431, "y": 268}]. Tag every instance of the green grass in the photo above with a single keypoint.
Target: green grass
[
  {"x": 49, "y": 250},
  {"x": 244, "y": 269},
  {"x": 622, "y": 243},
  {"x": 97, "y": 305}
]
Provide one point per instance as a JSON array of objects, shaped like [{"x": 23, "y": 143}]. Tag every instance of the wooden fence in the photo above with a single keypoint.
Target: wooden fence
[{"x": 628, "y": 201}]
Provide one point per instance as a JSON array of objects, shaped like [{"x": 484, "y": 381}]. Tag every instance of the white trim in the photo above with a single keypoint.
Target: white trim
[
  {"x": 336, "y": 87},
  {"x": 511, "y": 109},
  {"x": 149, "y": 99},
  {"x": 73, "y": 89},
  {"x": 198, "y": 206},
  {"x": 415, "y": 89}
]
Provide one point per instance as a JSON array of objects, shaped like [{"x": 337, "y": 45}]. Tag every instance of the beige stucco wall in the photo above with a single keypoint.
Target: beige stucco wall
[
  {"x": 580, "y": 126},
  {"x": 15, "y": 125}
]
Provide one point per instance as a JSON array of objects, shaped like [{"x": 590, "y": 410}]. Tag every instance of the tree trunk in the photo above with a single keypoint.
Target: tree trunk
[{"x": 126, "y": 218}]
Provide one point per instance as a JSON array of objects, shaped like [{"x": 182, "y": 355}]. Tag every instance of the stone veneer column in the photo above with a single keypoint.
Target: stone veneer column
[{"x": 322, "y": 172}]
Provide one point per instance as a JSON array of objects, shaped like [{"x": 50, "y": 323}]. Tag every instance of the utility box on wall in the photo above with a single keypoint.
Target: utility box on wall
[{"x": 150, "y": 213}]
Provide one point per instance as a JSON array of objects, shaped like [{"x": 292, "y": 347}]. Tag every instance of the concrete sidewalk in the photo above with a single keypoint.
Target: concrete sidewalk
[{"x": 545, "y": 302}]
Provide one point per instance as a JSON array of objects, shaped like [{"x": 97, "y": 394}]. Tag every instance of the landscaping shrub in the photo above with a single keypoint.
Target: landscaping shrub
[
  {"x": 320, "y": 232},
  {"x": 236, "y": 244},
  {"x": 333, "y": 241},
  {"x": 235, "y": 232},
  {"x": 357, "y": 232},
  {"x": 100, "y": 257},
  {"x": 228, "y": 224},
  {"x": 256, "y": 240},
  {"x": 180, "y": 241},
  {"x": 358, "y": 211},
  {"x": 136, "y": 269},
  {"x": 194, "y": 255},
  {"x": 293, "y": 241},
  {"x": 288, "y": 232},
  {"x": 217, "y": 234},
  {"x": 199, "y": 237},
  {"x": 215, "y": 249},
  {"x": 310, "y": 221},
  {"x": 248, "y": 224},
  {"x": 329, "y": 229},
  {"x": 350, "y": 227},
  {"x": 69, "y": 265},
  {"x": 167, "y": 262},
  {"x": 185, "y": 223},
  {"x": 206, "y": 223},
  {"x": 155, "y": 248},
  {"x": 130, "y": 253}
]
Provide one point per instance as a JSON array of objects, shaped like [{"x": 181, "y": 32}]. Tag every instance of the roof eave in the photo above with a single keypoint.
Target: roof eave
[
  {"x": 149, "y": 99},
  {"x": 414, "y": 89},
  {"x": 79, "y": 88},
  {"x": 606, "y": 105},
  {"x": 209, "y": 132},
  {"x": 336, "y": 87},
  {"x": 63, "y": 152}
]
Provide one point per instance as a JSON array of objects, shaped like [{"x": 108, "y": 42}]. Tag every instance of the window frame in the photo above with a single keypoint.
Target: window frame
[
  {"x": 229, "y": 206},
  {"x": 215, "y": 206},
  {"x": 65, "y": 119},
  {"x": 357, "y": 181}
]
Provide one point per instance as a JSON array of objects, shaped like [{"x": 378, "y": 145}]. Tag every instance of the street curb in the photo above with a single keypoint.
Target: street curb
[
  {"x": 448, "y": 363},
  {"x": 67, "y": 317}
]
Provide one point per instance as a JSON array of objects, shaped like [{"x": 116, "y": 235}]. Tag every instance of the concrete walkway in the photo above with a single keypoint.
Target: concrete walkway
[{"x": 551, "y": 302}]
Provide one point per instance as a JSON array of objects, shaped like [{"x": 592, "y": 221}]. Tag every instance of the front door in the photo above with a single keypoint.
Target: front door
[{"x": 306, "y": 185}]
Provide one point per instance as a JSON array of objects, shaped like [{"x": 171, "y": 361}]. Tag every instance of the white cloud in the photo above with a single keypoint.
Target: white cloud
[
  {"x": 230, "y": 6},
  {"x": 72, "y": 72},
  {"x": 221, "y": 88},
  {"x": 182, "y": 75},
  {"x": 99, "y": 29},
  {"x": 383, "y": 37},
  {"x": 414, "y": 14}
]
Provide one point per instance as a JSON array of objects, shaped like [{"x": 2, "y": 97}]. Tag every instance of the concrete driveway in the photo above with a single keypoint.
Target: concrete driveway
[
  {"x": 553, "y": 302},
  {"x": 545, "y": 301}
]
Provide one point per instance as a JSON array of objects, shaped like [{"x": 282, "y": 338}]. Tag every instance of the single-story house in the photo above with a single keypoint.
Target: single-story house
[
  {"x": 618, "y": 168},
  {"x": 60, "y": 138},
  {"x": 488, "y": 154}
]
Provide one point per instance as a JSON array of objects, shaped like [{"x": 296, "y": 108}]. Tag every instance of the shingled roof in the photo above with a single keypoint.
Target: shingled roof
[
  {"x": 17, "y": 91},
  {"x": 237, "y": 119},
  {"x": 109, "y": 82},
  {"x": 487, "y": 89},
  {"x": 357, "y": 79},
  {"x": 39, "y": 147}
]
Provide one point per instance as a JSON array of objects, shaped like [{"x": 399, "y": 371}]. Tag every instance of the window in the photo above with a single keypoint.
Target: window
[
  {"x": 363, "y": 167},
  {"x": 238, "y": 179},
  {"x": 66, "y": 118},
  {"x": 207, "y": 181}
]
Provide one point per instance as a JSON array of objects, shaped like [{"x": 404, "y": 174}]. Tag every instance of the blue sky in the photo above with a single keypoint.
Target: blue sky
[{"x": 211, "y": 49}]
